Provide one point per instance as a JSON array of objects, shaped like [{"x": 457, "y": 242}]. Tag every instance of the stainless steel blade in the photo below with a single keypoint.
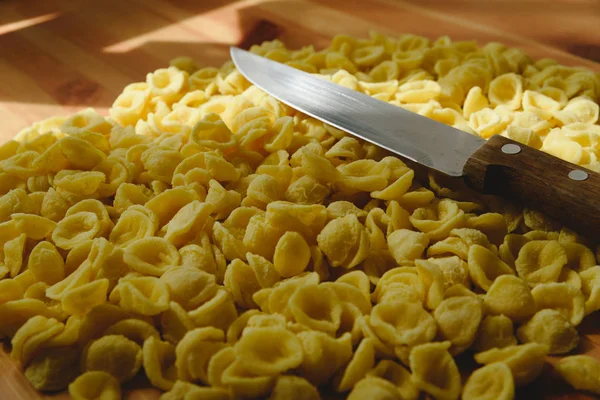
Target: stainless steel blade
[{"x": 408, "y": 134}]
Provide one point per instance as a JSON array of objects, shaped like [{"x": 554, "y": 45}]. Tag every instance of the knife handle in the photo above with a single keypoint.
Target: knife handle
[{"x": 538, "y": 180}]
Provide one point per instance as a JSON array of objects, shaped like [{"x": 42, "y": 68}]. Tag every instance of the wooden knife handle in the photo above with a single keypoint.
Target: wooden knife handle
[{"x": 538, "y": 180}]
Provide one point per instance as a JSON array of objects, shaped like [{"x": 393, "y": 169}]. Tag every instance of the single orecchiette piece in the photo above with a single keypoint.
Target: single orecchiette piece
[
  {"x": 495, "y": 331},
  {"x": 485, "y": 267},
  {"x": 114, "y": 354},
  {"x": 269, "y": 351},
  {"x": 458, "y": 320},
  {"x": 540, "y": 261},
  {"x": 510, "y": 295},
  {"x": 494, "y": 381},
  {"x": 344, "y": 242},
  {"x": 551, "y": 328},
  {"x": 581, "y": 371},
  {"x": 434, "y": 370},
  {"x": 316, "y": 307},
  {"x": 194, "y": 351},
  {"x": 95, "y": 385},
  {"x": 561, "y": 297},
  {"x": 415, "y": 325}
]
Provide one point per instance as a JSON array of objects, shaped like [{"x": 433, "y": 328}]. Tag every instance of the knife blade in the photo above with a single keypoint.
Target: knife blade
[
  {"x": 498, "y": 166},
  {"x": 405, "y": 133}
]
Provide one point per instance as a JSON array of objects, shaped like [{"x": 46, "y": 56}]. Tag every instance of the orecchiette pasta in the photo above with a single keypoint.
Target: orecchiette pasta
[
  {"x": 551, "y": 328},
  {"x": 494, "y": 381},
  {"x": 114, "y": 354},
  {"x": 581, "y": 372},
  {"x": 434, "y": 370},
  {"x": 94, "y": 385},
  {"x": 228, "y": 246}
]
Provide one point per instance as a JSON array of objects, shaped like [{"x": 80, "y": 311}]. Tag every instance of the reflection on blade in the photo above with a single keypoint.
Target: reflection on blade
[{"x": 403, "y": 132}]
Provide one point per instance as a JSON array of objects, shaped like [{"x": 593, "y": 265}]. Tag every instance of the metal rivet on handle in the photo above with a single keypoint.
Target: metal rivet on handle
[
  {"x": 511, "y": 148},
  {"x": 578, "y": 175}
]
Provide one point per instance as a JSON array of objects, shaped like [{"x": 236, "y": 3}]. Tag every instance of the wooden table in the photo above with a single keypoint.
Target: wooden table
[{"x": 58, "y": 56}]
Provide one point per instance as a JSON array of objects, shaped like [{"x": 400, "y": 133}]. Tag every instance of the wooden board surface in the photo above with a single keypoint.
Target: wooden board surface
[{"x": 58, "y": 56}]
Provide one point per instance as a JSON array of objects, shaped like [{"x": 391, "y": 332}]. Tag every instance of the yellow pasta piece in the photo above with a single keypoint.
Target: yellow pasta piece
[
  {"x": 562, "y": 297},
  {"x": 31, "y": 337},
  {"x": 525, "y": 361},
  {"x": 13, "y": 254},
  {"x": 434, "y": 370},
  {"x": 136, "y": 222},
  {"x": 95, "y": 385},
  {"x": 432, "y": 283},
  {"x": 241, "y": 281},
  {"x": 96, "y": 207},
  {"x": 344, "y": 242},
  {"x": 439, "y": 219},
  {"x": 10, "y": 290},
  {"x": 550, "y": 328},
  {"x": 292, "y": 255},
  {"x": 34, "y": 226},
  {"x": 269, "y": 351},
  {"x": 76, "y": 229},
  {"x": 579, "y": 257},
  {"x": 540, "y": 261},
  {"x": 80, "y": 300},
  {"x": 475, "y": 101},
  {"x": 46, "y": 263},
  {"x": 175, "y": 322},
  {"x": 510, "y": 295},
  {"x": 188, "y": 286},
  {"x": 151, "y": 256},
  {"x": 219, "y": 311},
  {"x": 454, "y": 270},
  {"x": 510, "y": 248},
  {"x": 579, "y": 109},
  {"x": 458, "y": 320},
  {"x": 413, "y": 326},
  {"x": 485, "y": 267},
  {"x": 590, "y": 287},
  {"x": 495, "y": 331},
  {"x": 506, "y": 90},
  {"x": 142, "y": 295},
  {"x": 166, "y": 204},
  {"x": 494, "y": 381},
  {"x": 115, "y": 355},
  {"x": 406, "y": 246},
  {"x": 307, "y": 220},
  {"x": 581, "y": 372},
  {"x": 316, "y": 307}
]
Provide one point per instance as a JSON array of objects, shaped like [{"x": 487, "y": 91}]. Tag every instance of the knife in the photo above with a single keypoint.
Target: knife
[{"x": 499, "y": 166}]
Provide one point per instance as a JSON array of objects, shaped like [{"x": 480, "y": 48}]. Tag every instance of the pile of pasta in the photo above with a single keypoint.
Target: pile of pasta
[{"x": 227, "y": 246}]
